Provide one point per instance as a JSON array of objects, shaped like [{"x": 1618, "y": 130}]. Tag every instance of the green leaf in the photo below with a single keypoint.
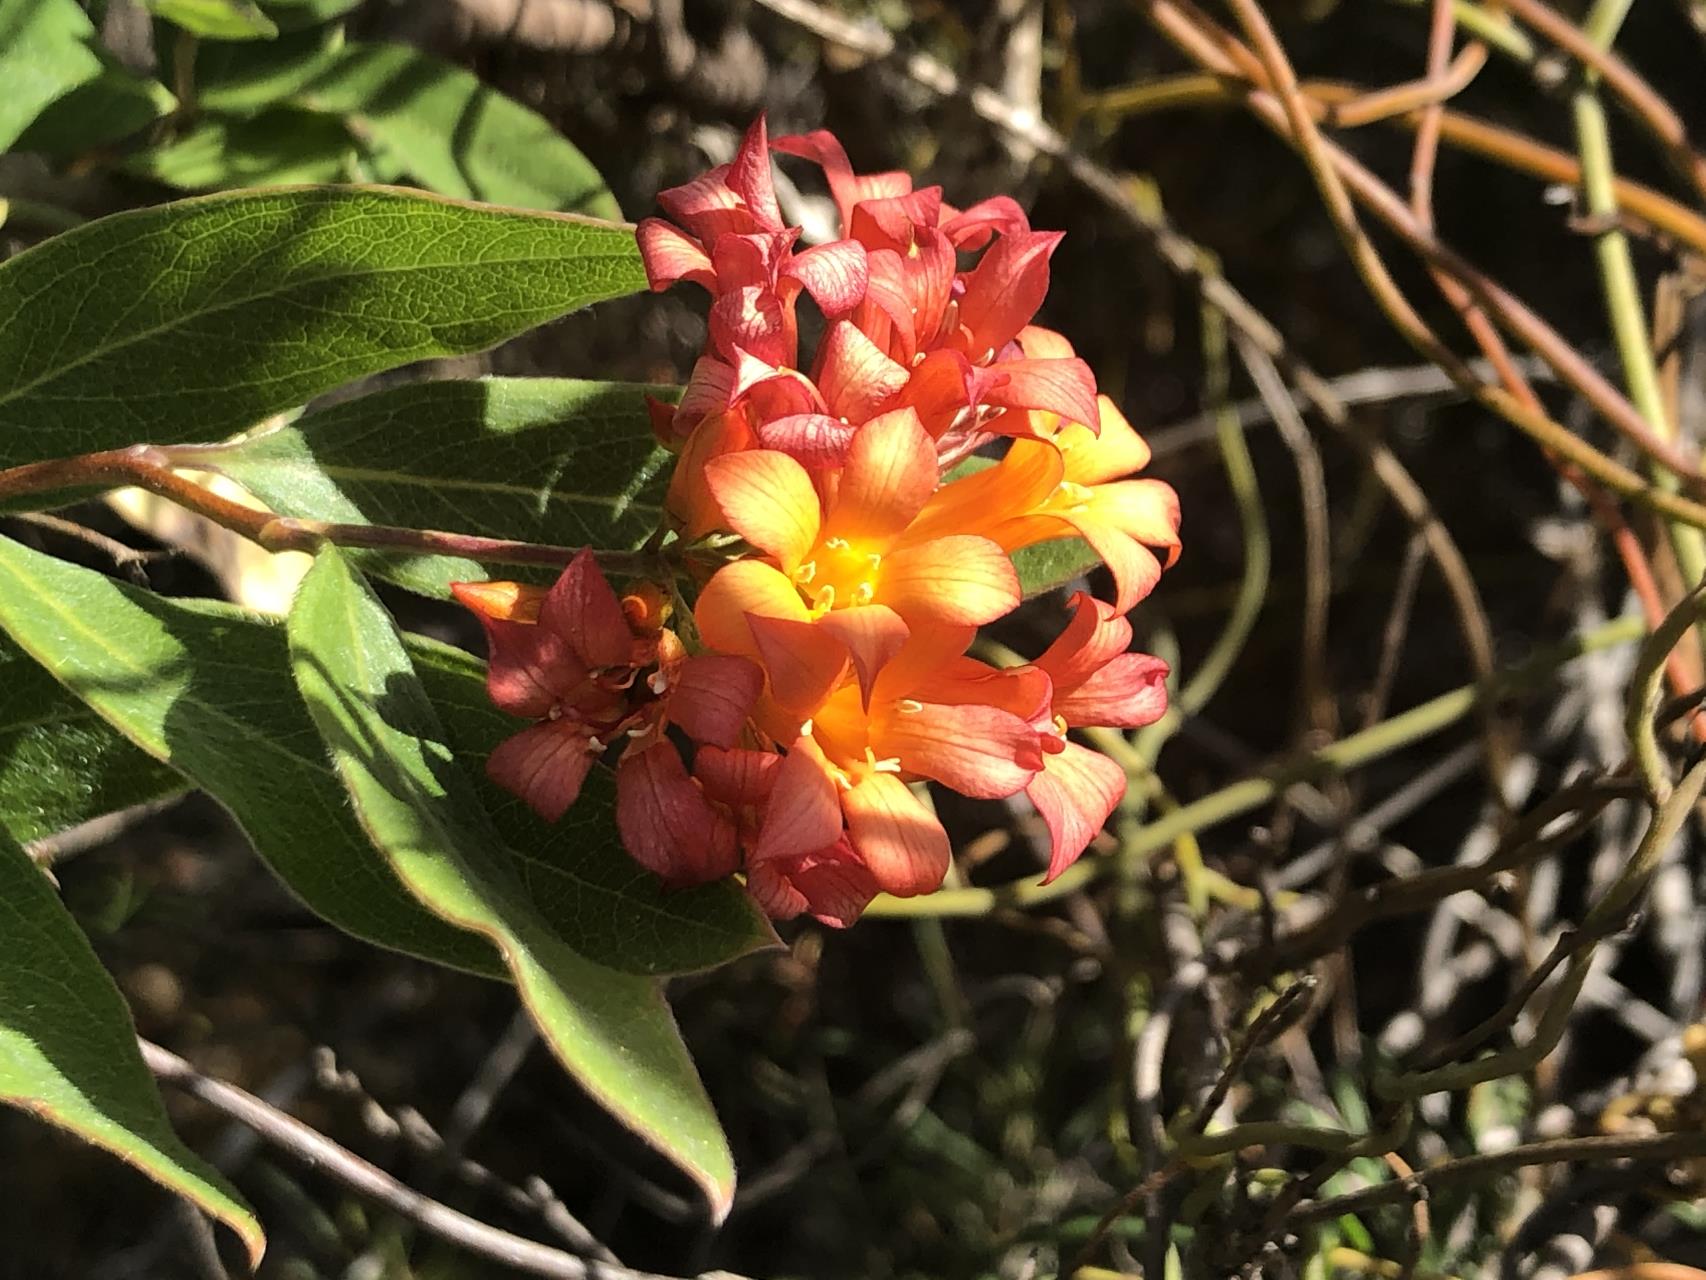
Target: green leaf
[
  {"x": 97, "y": 113},
  {"x": 47, "y": 48},
  {"x": 1044, "y": 566},
  {"x": 240, "y": 79},
  {"x": 210, "y": 694},
  {"x": 283, "y": 145},
  {"x": 550, "y": 460},
  {"x": 292, "y": 15},
  {"x": 455, "y": 135},
  {"x": 575, "y": 870},
  {"x": 68, "y": 1050},
  {"x": 197, "y": 319},
  {"x": 207, "y": 688},
  {"x": 216, "y": 19},
  {"x": 613, "y": 1032},
  {"x": 60, "y": 763}
]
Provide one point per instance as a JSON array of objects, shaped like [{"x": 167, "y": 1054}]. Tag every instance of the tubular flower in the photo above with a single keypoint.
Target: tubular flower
[
  {"x": 595, "y": 671},
  {"x": 829, "y": 682}
]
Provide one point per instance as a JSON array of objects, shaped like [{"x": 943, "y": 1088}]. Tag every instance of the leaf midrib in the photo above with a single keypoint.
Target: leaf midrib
[
  {"x": 72, "y": 619},
  {"x": 107, "y": 349}
]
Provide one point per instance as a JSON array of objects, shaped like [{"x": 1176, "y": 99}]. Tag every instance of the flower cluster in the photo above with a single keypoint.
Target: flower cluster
[{"x": 831, "y": 669}]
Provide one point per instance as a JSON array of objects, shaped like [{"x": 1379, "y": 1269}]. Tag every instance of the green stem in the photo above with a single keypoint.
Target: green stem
[
  {"x": 1251, "y": 793},
  {"x": 1618, "y": 281}
]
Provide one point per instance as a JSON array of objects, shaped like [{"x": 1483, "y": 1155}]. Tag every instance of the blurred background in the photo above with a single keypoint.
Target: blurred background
[{"x": 968, "y": 1095}]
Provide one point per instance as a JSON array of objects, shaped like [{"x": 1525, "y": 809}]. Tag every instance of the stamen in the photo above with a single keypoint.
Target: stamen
[
  {"x": 657, "y": 682},
  {"x": 910, "y": 706}
]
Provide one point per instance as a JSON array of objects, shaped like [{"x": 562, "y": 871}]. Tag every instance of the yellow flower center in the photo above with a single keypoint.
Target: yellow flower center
[{"x": 841, "y": 575}]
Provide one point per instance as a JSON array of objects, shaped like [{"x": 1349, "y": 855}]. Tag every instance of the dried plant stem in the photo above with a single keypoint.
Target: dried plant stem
[
  {"x": 150, "y": 468},
  {"x": 1590, "y": 44},
  {"x": 1241, "y": 797},
  {"x": 1617, "y": 271},
  {"x": 313, "y": 1148},
  {"x": 1670, "y": 1146}
]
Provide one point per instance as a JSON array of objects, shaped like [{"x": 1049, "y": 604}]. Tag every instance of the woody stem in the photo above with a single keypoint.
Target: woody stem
[{"x": 148, "y": 467}]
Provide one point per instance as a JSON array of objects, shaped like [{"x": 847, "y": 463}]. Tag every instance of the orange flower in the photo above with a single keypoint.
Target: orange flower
[
  {"x": 928, "y": 713},
  {"x": 855, "y": 549},
  {"x": 1065, "y": 481}
]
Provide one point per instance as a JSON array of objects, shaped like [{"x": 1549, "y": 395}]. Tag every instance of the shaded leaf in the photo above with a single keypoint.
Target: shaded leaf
[
  {"x": 575, "y": 870},
  {"x": 1047, "y": 565},
  {"x": 207, "y": 688},
  {"x": 47, "y": 48},
  {"x": 216, "y": 19},
  {"x": 97, "y": 113},
  {"x": 455, "y": 135},
  {"x": 198, "y": 319},
  {"x": 68, "y": 1050},
  {"x": 210, "y": 694},
  {"x": 1043, "y": 566},
  {"x": 241, "y": 79},
  {"x": 60, "y": 763},
  {"x": 613, "y": 1032},
  {"x": 550, "y": 460},
  {"x": 283, "y": 145}
]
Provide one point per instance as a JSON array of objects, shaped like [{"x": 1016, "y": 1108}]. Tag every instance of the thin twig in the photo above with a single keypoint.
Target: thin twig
[{"x": 316, "y": 1150}]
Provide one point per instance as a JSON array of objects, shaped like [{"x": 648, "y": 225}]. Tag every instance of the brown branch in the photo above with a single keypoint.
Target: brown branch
[
  {"x": 1644, "y": 102},
  {"x": 1670, "y": 1146},
  {"x": 316, "y": 1150},
  {"x": 148, "y": 467}
]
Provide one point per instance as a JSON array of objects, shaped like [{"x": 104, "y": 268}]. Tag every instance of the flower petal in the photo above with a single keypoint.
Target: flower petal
[
  {"x": 713, "y": 695},
  {"x": 814, "y": 440},
  {"x": 983, "y": 501},
  {"x": 1133, "y": 565},
  {"x": 873, "y": 634},
  {"x": 767, "y": 498},
  {"x": 738, "y": 777},
  {"x": 1111, "y": 453},
  {"x": 529, "y": 668},
  {"x": 835, "y": 274},
  {"x": 896, "y": 836},
  {"x": 583, "y": 609},
  {"x": 670, "y": 255},
  {"x": 1127, "y": 692},
  {"x": 972, "y": 229},
  {"x": 738, "y": 591},
  {"x": 504, "y": 601},
  {"x": 750, "y": 176},
  {"x": 963, "y": 580},
  {"x": 666, "y": 822},
  {"x": 1004, "y": 291},
  {"x": 853, "y": 374},
  {"x": 821, "y": 147},
  {"x": 831, "y": 884},
  {"x": 1075, "y": 792},
  {"x": 977, "y": 750},
  {"x": 889, "y": 476},
  {"x": 545, "y": 765},
  {"x": 751, "y": 319},
  {"x": 805, "y": 663},
  {"x": 1064, "y": 387},
  {"x": 1096, "y": 633},
  {"x": 804, "y": 810}
]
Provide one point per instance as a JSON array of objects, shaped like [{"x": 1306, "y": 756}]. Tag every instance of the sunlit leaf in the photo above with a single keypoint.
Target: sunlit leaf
[
  {"x": 68, "y": 1052},
  {"x": 197, "y": 319},
  {"x": 612, "y": 1031}
]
